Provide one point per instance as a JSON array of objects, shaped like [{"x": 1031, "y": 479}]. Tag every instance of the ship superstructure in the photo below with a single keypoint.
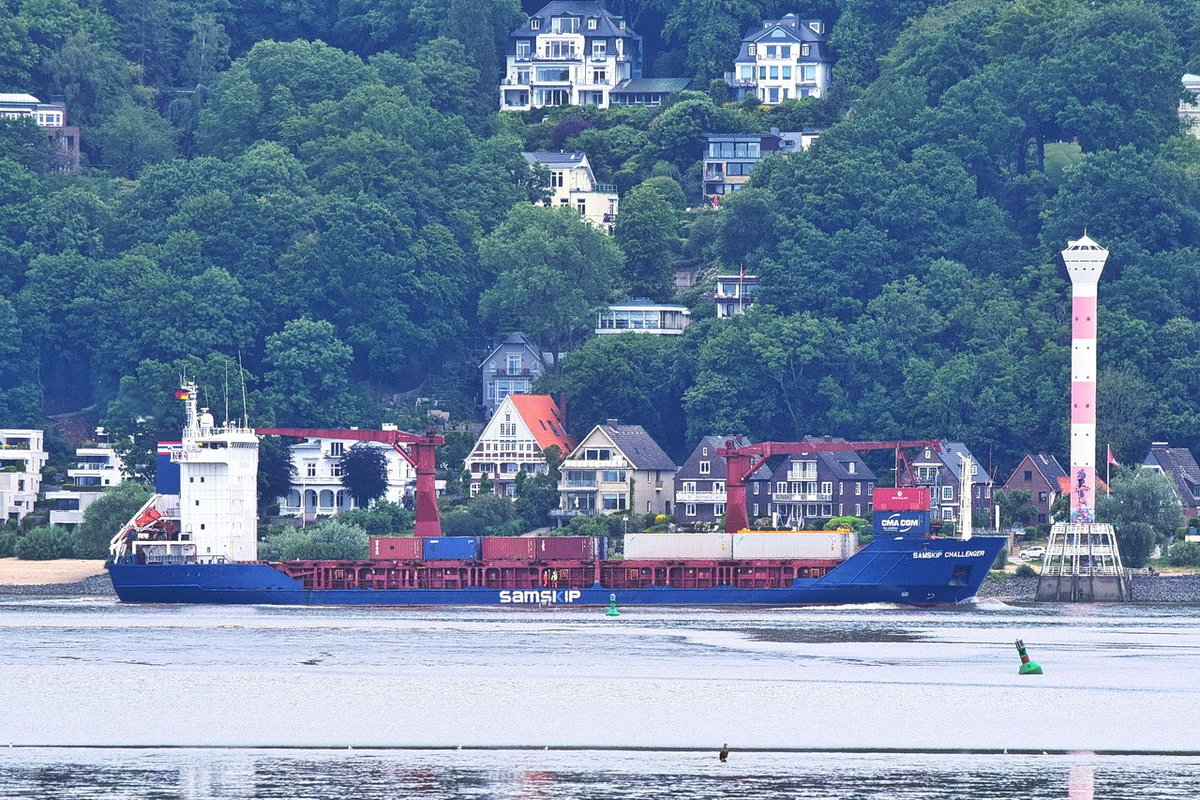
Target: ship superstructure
[{"x": 213, "y": 517}]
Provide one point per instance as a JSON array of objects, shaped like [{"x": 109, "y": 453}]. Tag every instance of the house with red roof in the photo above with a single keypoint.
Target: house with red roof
[
  {"x": 515, "y": 440},
  {"x": 1039, "y": 474}
]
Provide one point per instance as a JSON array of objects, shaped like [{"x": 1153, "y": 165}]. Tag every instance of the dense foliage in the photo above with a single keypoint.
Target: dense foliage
[{"x": 322, "y": 201}]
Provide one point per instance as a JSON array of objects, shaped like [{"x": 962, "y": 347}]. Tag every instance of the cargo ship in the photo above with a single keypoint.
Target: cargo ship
[{"x": 195, "y": 541}]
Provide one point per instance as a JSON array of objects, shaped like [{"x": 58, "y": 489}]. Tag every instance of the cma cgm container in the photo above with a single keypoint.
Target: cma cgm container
[
  {"x": 584, "y": 548},
  {"x": 447, "y": 548},
  {"x": 795, "y": 544},
  {"x": 679, "y": 546},
  {"x": 510, "y": 548},
  {"x": 908, "y": 498},
  {"x": 401, "y": 547},
  {"x": 900, "y": 523}
]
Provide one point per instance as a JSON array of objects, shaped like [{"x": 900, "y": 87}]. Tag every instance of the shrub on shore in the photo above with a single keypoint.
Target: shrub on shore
[{"x": 44, "y": 544}]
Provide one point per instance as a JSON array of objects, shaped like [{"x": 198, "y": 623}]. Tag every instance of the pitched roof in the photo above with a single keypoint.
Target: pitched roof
[
  {"x": 1049, "y": 467},
  {"x": 555, "y": 158},
  {"x": 515, "y": 339},
  {"x": 718, "y": 467},
  {"x": 605, "y": 21},
  {"x": 950, "y": 457},
  {"x": 544, "y": 419},
  {"x": 638, "y": 447},
  {"x": 1180, "y": 465}
]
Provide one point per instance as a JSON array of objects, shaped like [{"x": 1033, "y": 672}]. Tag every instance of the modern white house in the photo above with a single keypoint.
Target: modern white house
[
  {"x": 1189, "y": 108},
  {"x": 22, "y": 456},
  {"x": 569, "y": 54},
  {"x": 515, "y": 441},
  {"x": 97, "y": 467},
  {"x": 643, "y": 316},
  {"x": 317, "y": 489},
  {"x": 50, "y": 117},
  {"x": 734, "y": 294},
  {"x": 573, "y": 185},
  {"x": 785, "y": 59}
]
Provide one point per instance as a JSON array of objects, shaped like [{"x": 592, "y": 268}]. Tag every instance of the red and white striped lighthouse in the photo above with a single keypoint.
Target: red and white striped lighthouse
[{"x": 1085, "y": 261}]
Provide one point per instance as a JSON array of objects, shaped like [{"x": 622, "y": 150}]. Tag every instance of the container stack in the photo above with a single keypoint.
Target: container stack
[
  {"x": 490, "y": 548},
  {"x": 787, "y": 545},
  {"x": 901, "y": 511}
]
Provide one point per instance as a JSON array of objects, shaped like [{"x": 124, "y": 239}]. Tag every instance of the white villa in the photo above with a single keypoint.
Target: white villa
[
  {"x": 317, "y": 489},
  {"x": 785, "y": 59},
  {"x": 22, "y": 456},
  {"x": 573, "y": 184}
]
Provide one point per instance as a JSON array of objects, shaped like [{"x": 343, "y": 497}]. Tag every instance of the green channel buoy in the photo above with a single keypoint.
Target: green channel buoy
[
  {"x": 1027, "y": 667},
  {"x": 612, "y": 607}
]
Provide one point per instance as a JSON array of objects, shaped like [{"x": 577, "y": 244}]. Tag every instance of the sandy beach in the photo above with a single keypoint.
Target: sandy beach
[{"x": 14, "y": 572}]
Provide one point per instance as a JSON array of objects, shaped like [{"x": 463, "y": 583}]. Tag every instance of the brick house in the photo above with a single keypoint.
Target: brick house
[
  {"x": 1178, "y": 464},
  {"x": 1039, "y": 475}
]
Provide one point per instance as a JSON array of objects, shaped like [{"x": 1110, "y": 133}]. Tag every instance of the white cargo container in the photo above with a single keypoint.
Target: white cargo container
[
  {"x": 679, "y": 546},
  {"x": 795, "y": 544}
]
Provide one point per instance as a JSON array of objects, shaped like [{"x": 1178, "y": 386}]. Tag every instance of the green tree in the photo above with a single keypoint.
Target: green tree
[
  {"x": 307, "y": 379},
  {"x": 275, "y": 471},
  {"x": 133, "y": 137},
  {"x": 364, "y": 473},
  {"x": 647, "y": 231},
  {"x": 45, "y": 543},
  {"x": 553, "y": 269},
  {"x": 537, "y": 495},
  {"x": 1016, "y": 506},
  {"x": 1144, "y": 510},
  {"x": 105, "y": 516},
  {"x": 381, "y": 519},
  {"x": 331, "y": 540}
]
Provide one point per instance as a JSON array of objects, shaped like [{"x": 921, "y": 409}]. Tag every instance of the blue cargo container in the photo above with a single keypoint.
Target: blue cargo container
[
  {"x": 445, "y": 548},
  {"x": 900, "y": 523},
  {"x": 166, "y": 471}
]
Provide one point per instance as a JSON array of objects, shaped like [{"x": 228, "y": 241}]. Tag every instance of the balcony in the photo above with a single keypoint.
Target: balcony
[
  {"x": 699, "y": 497},
  {"x": 730, "y": 80},
  {"x": 576, "y": 486},
  {"x": 575, "y": 59},
  {"x": 579, "y": 463},
  {"x": 526, "y": 373},
  {"x": 605, "y": 188},
  {"x": 801, "y": 497}
]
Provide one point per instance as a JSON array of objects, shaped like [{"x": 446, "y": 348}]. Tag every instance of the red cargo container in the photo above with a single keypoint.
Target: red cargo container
[
  {"x": 394, "y": 547},
  {"x": 566, "y": 547},
  {"x": 510, "y": 548},
  {"x": 903, "y": 499}
]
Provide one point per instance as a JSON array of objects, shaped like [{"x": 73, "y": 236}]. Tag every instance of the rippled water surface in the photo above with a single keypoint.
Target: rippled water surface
[{"x": 179, "y": 681}]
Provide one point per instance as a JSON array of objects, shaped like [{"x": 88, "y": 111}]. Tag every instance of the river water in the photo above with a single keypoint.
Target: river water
[{"x": 209, "y": 703}]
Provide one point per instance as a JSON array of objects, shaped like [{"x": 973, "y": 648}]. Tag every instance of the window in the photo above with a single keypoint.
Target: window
[
  {"x": 689, "y": 509},
  {"x": 599, "y": 49},
  {"x": 787, "y": 73},
  {"x": 613, "y": 476},
  {"x": 552, "y": 75},
  {"x": 591, "y": 23},
  {"x": 770, "y": 51},
  {"x": 827, "y": 487},
  {"x": 600, "y": 77},
  {"x": 781, "y": 487},
  {"x": 808, "y": 73},
  {"x": 757, "y": 486},
  {"x": 523, "y": 50},
  {"x": 514, "y": 362},
  {"x": 688, "y": 486},
  {"x": 750, "y": 49},
  {"x": 755, "y": 512},
  {"x": 746, "y": 72},
  {"x": 614, "y": 502},
  {"x": 804, "y": 49},
  {"x": 762, "y": 73},
  {"x": 534, "y": 23},
  {"x": 850, "y": 467},
  {"x": 773, "y": 71},
  {"x": 857, "y": 488},
  {"x": 1042, "y": 497},
  {"x": 947, "y": 492},
  {"x": 337, "y": 448},
  {"x": 564, "y": 25},
  {"x": 948, "y": 513},
  {"x": 718, "y": 486},
  {"x": 858, "y": 509},
  {"x": 335, "y": 470},
  {"x": 310, "y": 469},
  {"x": 581, "y": 206},
  {"x": 703, "y": 451},
  {"x": 773, "y": 95},
  {"x": 508, "y": 429},
  {"x": 785, "y": 51},
  {"x": 719, "y": 508},
  {"x": 705, "y": 467},
  {"x": 1028, "y": 474}
]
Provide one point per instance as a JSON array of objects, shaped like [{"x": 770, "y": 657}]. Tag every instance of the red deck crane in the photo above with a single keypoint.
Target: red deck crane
[
  {"x": 421, "y": 453},
  {"x": 742, "y": 462}
]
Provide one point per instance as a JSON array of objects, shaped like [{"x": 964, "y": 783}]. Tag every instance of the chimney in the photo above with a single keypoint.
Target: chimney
[{"x": 612, "y": 423}]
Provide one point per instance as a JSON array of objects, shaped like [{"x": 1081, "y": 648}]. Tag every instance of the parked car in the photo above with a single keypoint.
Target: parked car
[{"x": 1033, "y": 552}]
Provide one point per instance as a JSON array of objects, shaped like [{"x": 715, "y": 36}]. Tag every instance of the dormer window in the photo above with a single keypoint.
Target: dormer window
[
  {"x": 591, "y": 23},
  {"x": 815, "y": 26},
  {"x": 751, "y": 49},
  {"x": 535, "y": 23},
  {"x": 804, "y": 49}
]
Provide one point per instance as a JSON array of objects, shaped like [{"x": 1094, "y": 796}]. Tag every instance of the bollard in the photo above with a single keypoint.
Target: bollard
[
  {"x": 612, "y": 607},
  {"x": 1027, "y": 667}
]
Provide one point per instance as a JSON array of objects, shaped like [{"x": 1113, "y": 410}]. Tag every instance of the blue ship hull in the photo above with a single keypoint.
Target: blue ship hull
[{"x": 902, "y": 570}]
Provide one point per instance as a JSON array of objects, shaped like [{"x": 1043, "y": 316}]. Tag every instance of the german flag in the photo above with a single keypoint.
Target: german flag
[{"x": 182, "y": 395}]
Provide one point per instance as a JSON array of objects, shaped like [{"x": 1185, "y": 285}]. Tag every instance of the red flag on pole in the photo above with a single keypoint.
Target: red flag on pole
[{"x": 1112, "y": 460}]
